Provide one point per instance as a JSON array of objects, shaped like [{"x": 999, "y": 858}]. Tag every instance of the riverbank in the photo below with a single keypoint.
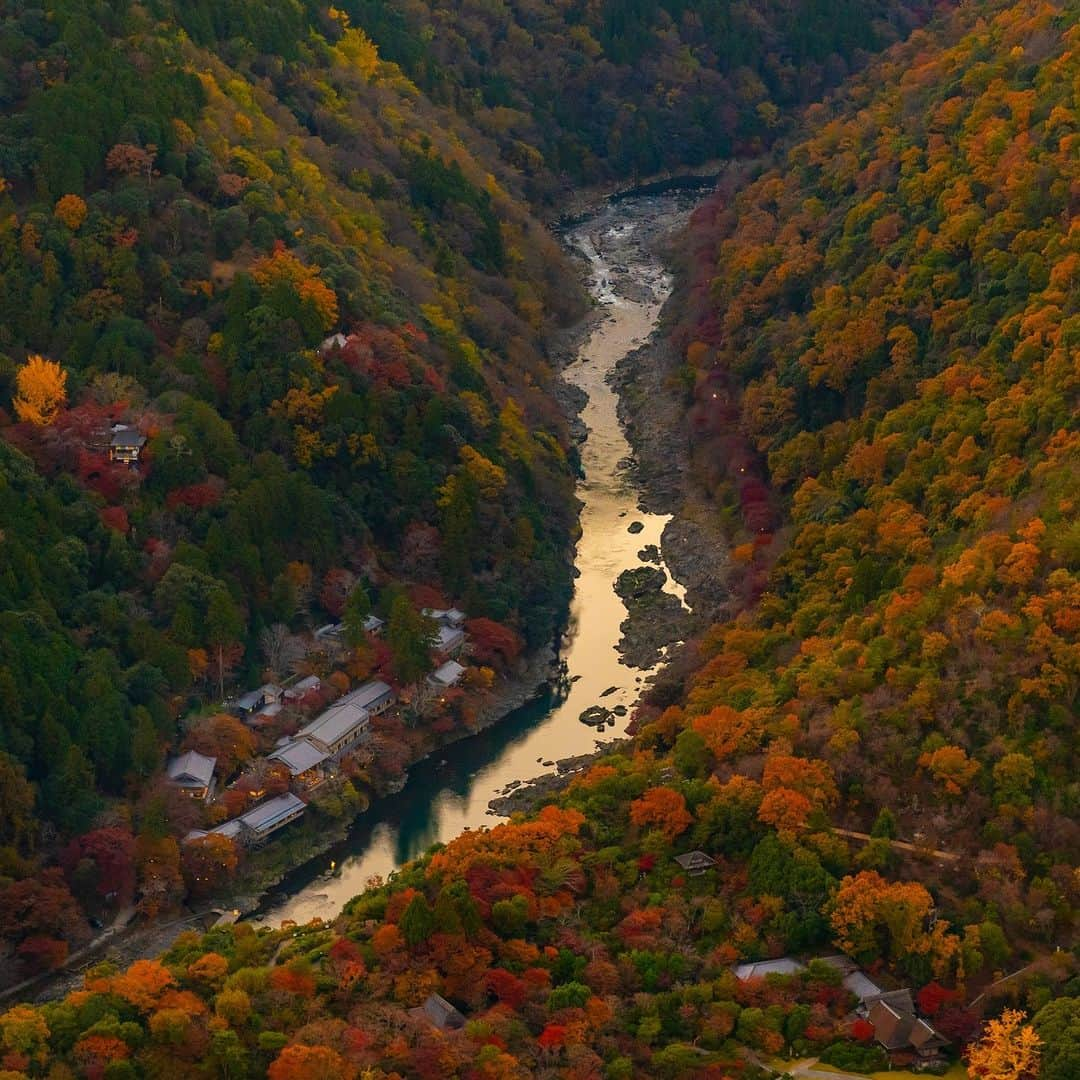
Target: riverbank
[
  {"x": 694, "y": 543},
  {"x": 651, "y": 411},
  {"x": 529, "y": 795},
  {"x": 267, "y": 869}
]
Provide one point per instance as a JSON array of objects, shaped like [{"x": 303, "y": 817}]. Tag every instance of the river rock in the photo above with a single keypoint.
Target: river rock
[
  {"x": 639, "y": 582},
  {"x": 654, "y": 622},
  {"x": 595, "y": 714},
  {"x": 609, "y": 691},
  {"x": 654, "y": 618},
  {"x": 635, "y": 527},
  {"x": 650, "y": 553}
]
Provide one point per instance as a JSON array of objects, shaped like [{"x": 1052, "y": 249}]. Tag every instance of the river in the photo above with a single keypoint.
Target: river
[{"x": 449, "y": 792}]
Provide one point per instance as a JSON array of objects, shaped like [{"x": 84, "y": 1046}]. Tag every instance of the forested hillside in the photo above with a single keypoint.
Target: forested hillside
[
  {"x": 185, "y": 217},
  {"x": 890, "y": 313},
  {"x": 894, "y": 310},
  {"x": 303, "y": 283},
  {"x": 625, "y": 88}
]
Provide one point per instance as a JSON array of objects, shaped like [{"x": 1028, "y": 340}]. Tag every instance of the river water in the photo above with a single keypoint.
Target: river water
[{"x": 449, "y": 792}]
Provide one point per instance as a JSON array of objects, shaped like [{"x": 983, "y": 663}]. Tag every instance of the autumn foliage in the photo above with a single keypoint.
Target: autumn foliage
[
  {"x": 870, "y": 746},
  {"x": 301, "y": 1062},
  {"x": 41, "y": 392},
  {"x": 1008, "y": 1050},
  {"x": 71, "y": 210},
  {"x": 661, "y": 808}
]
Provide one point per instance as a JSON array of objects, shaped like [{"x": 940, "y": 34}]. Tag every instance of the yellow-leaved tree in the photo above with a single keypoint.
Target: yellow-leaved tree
[
  {"x": 1008, "y": 1049},
  {"x": 41, "y": 390}
]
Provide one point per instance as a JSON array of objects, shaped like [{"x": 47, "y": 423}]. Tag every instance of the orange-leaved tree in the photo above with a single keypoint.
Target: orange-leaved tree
[
  {"x": 283, "y": 269},
  {"x": 142, "y": 985},
  {"x": 41, "y": 391},
  {"x": 663, "y": 807},
  {"x": 951, "y": 767},
  {"x": 310, "y": 1063},
  {"x": 23, "y": 1030},
  {"x": 868, "y": 909},
  {"x": 794, "y": 786},
  {"x": 71, "y": 210}
]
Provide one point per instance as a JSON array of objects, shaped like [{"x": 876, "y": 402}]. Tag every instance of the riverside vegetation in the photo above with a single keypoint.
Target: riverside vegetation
[{"x": 880, "y": 334}]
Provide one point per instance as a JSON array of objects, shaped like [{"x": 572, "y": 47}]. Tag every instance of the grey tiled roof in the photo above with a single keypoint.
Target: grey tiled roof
[
  {"x": 268, "y": 814},
  {"x": 192, "y": 768}
]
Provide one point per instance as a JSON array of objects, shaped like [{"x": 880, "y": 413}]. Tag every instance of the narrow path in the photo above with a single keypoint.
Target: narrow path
[
  {"x": 809, "y": 1070},
  {"x": 113, "y": 930},
  {"x": 902, "y": 845},
  {"x": 998, "y": 982}
]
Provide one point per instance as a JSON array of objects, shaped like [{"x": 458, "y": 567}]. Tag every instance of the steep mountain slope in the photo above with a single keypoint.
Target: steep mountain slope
[
  {"x": 181, "y": 228},
  {"x": 916, "y": 636},
  {"x": 895, "y": 311},
  {"x": 620, "y": 87}
]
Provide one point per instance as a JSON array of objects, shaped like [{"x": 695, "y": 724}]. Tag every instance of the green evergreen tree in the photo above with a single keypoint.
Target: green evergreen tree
[
  {"x": 884, "y": 826},
  {"x": 224, "y": 628},
  {"x": 417, "y": 922},
  {"x": 145, "y": 744},
  {"x": 68, "y": 794},
  {"x": 357, "y": 609},
  {"x": 409, "y": 634}
]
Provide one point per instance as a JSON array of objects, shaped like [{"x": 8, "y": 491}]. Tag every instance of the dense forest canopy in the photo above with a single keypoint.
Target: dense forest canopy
[
  {"x": 626, "y": 87},
  {"x": 896, "y": 303},
  {"x": 865, "y": 772},
  {"x": 182, "y": 227}
]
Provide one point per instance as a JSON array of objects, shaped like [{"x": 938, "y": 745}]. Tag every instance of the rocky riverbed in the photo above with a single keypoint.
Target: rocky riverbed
[
  {"x": 526, "y": 796},
  {"x": 651, "y": 410},
  {"x": 655, "y": 619},
  {"x": 692, "y": 547}
]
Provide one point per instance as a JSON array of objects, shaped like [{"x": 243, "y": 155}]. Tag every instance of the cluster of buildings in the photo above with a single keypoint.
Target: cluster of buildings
[
  {"x": 898, "y": 1028},
  {"x": 193, "y": 773},
  {"x": 313, "y": 753},
  {"x": 310, "y": 754}
]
